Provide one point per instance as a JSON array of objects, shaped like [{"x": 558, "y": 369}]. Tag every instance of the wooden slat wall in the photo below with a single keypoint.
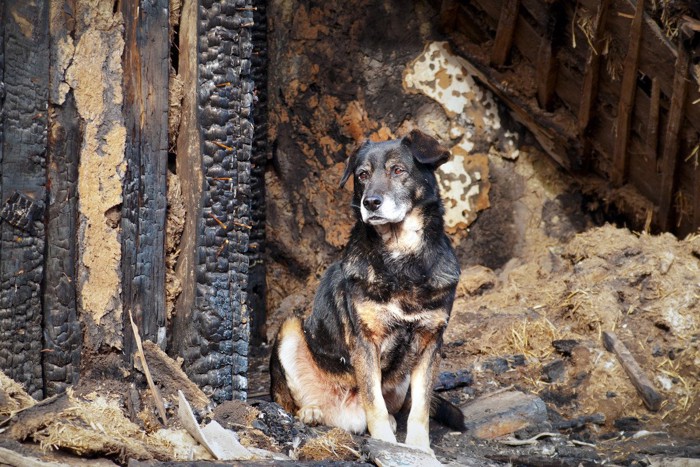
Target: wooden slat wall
[{"x": 613, "y": 119}]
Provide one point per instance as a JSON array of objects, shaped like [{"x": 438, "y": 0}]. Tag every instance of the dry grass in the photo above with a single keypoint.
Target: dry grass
[
  {"x": 337, "y": 444},
  {"x": 14, "y": 397},
  {"x": 97, "y": 426}
]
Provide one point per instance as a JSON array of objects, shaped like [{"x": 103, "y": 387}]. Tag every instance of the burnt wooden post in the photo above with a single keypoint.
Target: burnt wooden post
[
  {"x": 671, "y": 144},
  {"x": 146, "y": 62},
  {"x": 211, "y": 329},
  {"x": 505, "y": 32},
  {"x": 547, "y": 67},
  {"x": 256, "y": 250},
  {"x": 25, "y": 65},
  {"x": 592, "y": 72},
  {"x": 62, "y": 329},
  {"x": 626, "y": 103},
  {"x": 652, "y": 138}
]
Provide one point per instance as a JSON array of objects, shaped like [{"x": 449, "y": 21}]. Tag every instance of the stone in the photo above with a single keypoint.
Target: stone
[
  {"x": 503, "y": 413},
  {"x": 385, "y": 454}
]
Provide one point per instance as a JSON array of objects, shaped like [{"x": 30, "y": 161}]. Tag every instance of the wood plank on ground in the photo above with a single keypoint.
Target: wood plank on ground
[{"x": 651, "y": 397}]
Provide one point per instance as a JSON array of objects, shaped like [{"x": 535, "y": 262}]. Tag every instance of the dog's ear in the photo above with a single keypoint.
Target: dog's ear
[
  {"x": 426, "y": 149},
  {"x": 351, "y": 164}
]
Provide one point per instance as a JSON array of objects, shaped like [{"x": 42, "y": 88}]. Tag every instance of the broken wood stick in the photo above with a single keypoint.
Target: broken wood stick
[
  {"x": 154, "y": 390},
  {"x": 651, "y": 397}
]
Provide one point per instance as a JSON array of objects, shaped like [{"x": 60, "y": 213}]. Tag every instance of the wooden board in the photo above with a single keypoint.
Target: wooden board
[
  {"x": 24, "y": 120},
  {"x": 146, "y": 73}
]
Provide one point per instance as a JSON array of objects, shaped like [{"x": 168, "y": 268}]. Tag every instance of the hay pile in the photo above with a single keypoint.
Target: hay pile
[{"x": 645, "y": 288}]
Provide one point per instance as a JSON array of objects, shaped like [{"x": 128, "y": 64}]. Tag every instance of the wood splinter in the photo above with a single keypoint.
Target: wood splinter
[{"x": 651, "y": 397}]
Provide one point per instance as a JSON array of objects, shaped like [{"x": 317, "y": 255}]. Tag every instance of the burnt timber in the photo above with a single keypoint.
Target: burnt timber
[
  {"x": 211, "y": 328},
  {"x": 608, "y": 95},
  {"x": 23, "y": 138}
]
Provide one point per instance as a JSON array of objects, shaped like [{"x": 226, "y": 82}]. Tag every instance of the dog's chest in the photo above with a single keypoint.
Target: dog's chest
[{"x": 385, "y": 321}]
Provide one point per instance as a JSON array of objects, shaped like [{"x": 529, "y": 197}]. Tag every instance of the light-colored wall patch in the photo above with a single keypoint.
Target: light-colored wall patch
[
  {"x": 474, "y": 124},
  {"x": 96, "y": 80}
]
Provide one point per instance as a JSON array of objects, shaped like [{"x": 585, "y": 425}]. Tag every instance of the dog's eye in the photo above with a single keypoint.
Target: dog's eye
[
  {"x": 396, "y": 170},
  {"x": 363, "y": 176}
]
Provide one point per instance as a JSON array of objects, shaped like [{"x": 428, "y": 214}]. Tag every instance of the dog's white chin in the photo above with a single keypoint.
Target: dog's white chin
[
  {"x": 389, "y": 215},
  {"x": 381, "y": 220}
]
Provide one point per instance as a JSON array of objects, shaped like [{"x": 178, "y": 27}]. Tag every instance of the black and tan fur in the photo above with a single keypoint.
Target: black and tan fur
[{"x": 379, "y": 313}]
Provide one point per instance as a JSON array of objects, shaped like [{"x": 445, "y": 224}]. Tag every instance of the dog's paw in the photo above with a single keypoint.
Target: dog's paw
[
  {"x": 418, "y": 438},
  {"x": 392, "y": 422},
  {"x": 310, "y": 415}
]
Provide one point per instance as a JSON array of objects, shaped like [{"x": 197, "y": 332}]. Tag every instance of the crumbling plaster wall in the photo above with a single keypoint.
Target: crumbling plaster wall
[
  {"x": 345, "y": 71},
  {"x": 88, "y": 55}
]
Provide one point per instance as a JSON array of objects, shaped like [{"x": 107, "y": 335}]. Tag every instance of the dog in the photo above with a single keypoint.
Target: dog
[{"x": 378, "y": 317}]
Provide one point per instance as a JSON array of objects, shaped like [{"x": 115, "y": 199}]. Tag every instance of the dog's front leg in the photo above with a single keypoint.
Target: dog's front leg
[
  {"x": 422, "y": 377},
  {"x": 369, "y": 383}
]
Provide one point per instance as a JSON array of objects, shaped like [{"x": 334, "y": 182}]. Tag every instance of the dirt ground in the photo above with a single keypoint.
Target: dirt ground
[{"x": 536, "y": 326}]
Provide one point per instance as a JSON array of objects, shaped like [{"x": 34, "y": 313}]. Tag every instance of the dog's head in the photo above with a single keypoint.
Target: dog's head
[{"x": 392, "y": 177}]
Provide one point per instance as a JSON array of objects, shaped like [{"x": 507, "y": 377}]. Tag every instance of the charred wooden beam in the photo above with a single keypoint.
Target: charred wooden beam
[
  {"x": 547, "y": 65},
  {"x": 591, "y": 75},
  {"x": 652, "y": 138},
  {"x": 213, "y": 333},
  {"x": 504, "y": 34},
  {"x": 25, "y": 67},
  {"x": 627, "y": 91},
  {"x": 145, "y": 63},
  {"x": 256, "y": 250},
  {"x": 62, "y": 329},
  {"x": 675, "y": 119}
]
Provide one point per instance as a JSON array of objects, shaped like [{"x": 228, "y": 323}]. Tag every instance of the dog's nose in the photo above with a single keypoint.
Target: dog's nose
[{"x": 373, "y": 202}]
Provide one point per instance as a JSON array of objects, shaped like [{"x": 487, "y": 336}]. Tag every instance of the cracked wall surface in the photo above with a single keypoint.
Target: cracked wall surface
[{"x": 95, "y": 77}]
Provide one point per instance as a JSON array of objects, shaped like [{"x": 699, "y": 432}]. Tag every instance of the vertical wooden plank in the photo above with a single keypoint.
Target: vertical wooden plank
[
  {"x": 146, "y": 54},
  {"x": 256, "y": 252},
  {"x": 62, "y": 330},
  {"x": 505, "y": 32},
  {"x": 213, "y": 334},
  {"x": 627, "y": 90},
  {"x": 589, "y": 92},
  {"x": 23, "y": 178},
  {"x": 675, "y": 120},
  {"x": 652, "y": 137},
  {"x": 448, "y": 14},
  {"x": 696, "y": 199},
  {"x": 547, "y": 64}
]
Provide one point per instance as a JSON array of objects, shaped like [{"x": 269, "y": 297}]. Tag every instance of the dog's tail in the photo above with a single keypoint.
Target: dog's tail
[{"x": 446, "y": 413}]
